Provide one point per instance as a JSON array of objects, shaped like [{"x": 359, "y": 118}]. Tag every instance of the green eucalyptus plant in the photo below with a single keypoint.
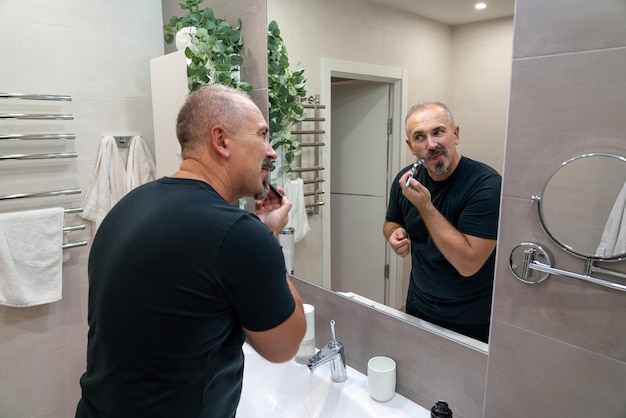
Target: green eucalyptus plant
[
  {"x": 215, "y": 56},
  {"x": 286, "y": 91}
]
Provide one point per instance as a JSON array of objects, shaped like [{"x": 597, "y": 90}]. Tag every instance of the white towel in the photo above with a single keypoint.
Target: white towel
[
  {"x": 613, "y": 240},
  {"x": 141, "y": 167},
  {"x": 297, "y": 215},
  {"x": 31, "y": 248},
  {"x": 108, "y": 182}
]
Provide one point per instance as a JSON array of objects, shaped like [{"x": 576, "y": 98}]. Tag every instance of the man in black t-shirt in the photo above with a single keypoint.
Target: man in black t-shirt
[
  {"x": 179, "y": 277},
  {"x": 444, "y": 212}
]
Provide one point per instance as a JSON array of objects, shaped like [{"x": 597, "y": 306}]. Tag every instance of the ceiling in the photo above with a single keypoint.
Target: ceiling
[{"x": 454, "y": 12}]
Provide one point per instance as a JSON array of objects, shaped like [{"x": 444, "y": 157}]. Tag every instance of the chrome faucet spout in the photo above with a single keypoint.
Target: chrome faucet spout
[{"x": 332, "y": 353}]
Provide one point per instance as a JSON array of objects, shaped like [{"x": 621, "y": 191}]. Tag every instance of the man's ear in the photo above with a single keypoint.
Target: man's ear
[
  {"x": 220, "y": 141},
  {"x": 408, "y": 143}
]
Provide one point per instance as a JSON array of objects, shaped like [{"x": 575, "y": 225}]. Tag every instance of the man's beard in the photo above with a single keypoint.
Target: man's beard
[
  {"x": 440, "y": 166},
  {"x": 266, "y": 189},
  {"x": 266, "y": 181}
]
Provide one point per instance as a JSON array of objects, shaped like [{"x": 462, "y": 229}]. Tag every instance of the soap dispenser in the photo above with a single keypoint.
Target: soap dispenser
[{"x": 441, "y": 410}]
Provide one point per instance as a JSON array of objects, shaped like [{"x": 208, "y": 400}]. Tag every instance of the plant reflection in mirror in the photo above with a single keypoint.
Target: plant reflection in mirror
[{"x": 286, "y": 91}]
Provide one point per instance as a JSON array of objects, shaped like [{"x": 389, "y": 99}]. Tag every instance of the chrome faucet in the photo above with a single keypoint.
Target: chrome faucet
[{"x": 333, "y": 354}]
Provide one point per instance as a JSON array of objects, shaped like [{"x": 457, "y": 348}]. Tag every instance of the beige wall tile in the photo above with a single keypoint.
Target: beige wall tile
[{"x": 40, "y": 383}]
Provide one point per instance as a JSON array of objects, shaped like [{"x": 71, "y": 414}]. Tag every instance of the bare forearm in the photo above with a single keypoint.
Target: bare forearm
[
  {"x": 389, "y": 227},
  {"x": 466, "y": 253}
]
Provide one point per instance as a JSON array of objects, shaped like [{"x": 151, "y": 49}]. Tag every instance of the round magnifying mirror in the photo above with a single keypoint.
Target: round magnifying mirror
[{"x": 583, "y": 206}]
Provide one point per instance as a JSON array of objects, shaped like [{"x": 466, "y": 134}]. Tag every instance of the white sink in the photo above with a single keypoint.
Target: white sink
[{"x": 291, "y": 390}]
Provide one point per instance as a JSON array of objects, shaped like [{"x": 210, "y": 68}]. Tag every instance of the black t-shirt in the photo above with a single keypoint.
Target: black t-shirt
[
  {"x": 175, "y": 272},
  {"x": 469, "y": 199}
]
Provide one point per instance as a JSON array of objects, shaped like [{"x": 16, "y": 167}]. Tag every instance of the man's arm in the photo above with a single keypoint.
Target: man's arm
[
  {"x": 280, "y": 343},
  {"x": 466, "y": 253}
]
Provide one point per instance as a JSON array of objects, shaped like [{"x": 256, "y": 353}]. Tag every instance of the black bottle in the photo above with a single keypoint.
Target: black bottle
[{"x": 441, "y": 410}]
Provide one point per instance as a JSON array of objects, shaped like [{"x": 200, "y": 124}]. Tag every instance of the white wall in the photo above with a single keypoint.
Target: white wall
[{"x": 98, "y": 53}]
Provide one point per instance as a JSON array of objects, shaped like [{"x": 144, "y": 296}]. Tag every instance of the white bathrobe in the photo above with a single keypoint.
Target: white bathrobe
[{"x": 112, "y": 179}]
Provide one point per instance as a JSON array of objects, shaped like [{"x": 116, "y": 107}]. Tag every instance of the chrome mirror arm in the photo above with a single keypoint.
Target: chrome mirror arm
[{"x": 524, "y": 262}]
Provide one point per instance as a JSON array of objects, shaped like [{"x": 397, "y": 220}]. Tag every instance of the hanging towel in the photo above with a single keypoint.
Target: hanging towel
[
  {"x": 297, "y": 215},
  {"x": 613, "y": 239},
  {"x": 31, "y": 248},
  {"x": 108, "y": 182},
  {"x": 141, "y": 167}
]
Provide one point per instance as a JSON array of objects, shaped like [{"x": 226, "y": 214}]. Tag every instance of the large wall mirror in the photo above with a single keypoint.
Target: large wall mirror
[
  {"x": 399, "y": 51},
  {"x": 394, "y": 52}
]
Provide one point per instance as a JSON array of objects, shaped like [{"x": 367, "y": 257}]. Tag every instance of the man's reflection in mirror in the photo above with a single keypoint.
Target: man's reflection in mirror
[{"x": 445, "y": 215}]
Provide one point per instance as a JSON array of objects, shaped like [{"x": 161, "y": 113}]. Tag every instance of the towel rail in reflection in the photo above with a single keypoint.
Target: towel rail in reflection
[
  {"x": 311, "y": 127},
  {"x": 307, "y": 169},
  {"x": 314, "y": 193},
  {"x": 314, "y": 181}
]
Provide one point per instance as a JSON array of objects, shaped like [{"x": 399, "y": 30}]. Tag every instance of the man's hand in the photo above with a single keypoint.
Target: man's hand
[
  {"x": 400, "y": 242},
  {"x": 415, "y": 192},
  {"x": 273, "y": 210}
]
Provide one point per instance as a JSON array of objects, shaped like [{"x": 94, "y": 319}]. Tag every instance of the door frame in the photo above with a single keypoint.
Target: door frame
[{"x": 398, "y": 77}]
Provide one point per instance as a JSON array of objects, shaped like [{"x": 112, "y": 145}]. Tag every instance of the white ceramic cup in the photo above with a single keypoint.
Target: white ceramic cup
[{"x": 381, "y": 378}]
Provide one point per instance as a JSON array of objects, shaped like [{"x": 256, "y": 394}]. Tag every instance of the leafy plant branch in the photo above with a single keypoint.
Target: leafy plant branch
[
  {"x": 215, "y": 56},
  {"x": 286, "y": 91}
]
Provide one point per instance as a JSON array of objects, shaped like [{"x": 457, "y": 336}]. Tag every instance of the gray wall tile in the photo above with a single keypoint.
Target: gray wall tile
[
  {"x": 554, "y": 27},
  {"x": 562, "y": 106},
  {"x": 540, "y": 377},
  {"x": 430, "y": 367},
  {"x": 556, "y": 348}
]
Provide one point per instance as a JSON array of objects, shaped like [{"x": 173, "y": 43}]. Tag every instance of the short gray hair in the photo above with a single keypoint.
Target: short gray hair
[
  {"x": 425, "y": 103},
  {"x": 214, "y": 104}
]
